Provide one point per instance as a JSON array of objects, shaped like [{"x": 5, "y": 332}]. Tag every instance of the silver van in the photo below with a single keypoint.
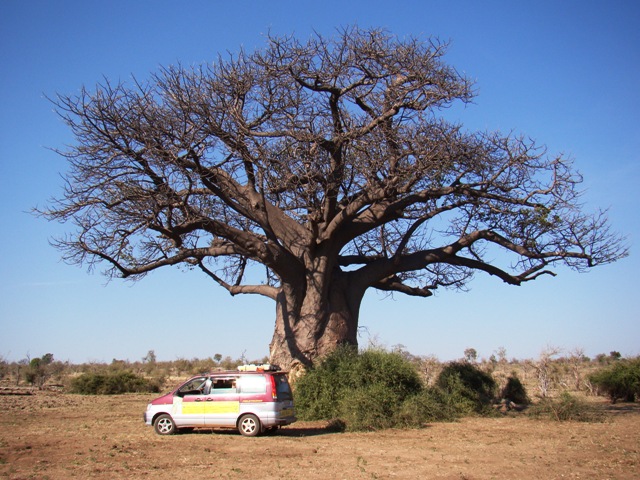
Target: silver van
[{"x": 253, "y": 400}]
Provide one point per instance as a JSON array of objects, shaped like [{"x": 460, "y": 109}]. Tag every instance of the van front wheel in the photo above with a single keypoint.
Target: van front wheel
[
  {"x": 249, "y": 425},
  {"x": 164, "y": 425}
]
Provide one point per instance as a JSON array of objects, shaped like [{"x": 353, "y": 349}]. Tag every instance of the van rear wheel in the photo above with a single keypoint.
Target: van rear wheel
[{"x": 249, "y": 425}]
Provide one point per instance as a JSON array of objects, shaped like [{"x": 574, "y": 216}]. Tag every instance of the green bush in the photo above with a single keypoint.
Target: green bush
[
  {"x": 376, "y": 389},
  {"x": 319, "y": 391},
  {"x": 111, "y": 383},
  {"x": 346, "y": 376},
  {"x": 431, "y": 405},
  {"x": 370, "y": 407},
  {"x": 457, "y": 396},
  {"x": 365, "y": 390},
  {"x": 565, "y": 408},
  {"x": 620, "y": 380},
  {"x": 468, "y": 387}
]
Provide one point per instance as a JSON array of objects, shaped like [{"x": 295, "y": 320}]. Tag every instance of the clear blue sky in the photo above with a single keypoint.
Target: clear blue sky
[{"x": 565, "y": 73}]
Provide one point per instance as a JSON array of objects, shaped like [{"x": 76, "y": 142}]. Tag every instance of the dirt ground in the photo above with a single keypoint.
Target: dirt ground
[{"x": 59, "y": 436}]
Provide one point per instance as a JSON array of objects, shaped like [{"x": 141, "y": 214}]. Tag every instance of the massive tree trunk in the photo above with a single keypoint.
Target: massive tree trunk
[{"x": 313, "y": 319}]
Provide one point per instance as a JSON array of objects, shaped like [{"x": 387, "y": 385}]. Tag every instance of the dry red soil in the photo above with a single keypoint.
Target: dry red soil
[{"x": 59, "y": 436}]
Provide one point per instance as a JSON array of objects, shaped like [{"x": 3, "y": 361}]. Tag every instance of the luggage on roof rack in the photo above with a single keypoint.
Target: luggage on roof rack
[{"x": 265, "y": 367}]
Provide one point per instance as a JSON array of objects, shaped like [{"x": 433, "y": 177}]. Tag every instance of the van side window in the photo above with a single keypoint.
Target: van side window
[
  {"x": 223, "y": 385},
  {"x": 253, "y": 384}
]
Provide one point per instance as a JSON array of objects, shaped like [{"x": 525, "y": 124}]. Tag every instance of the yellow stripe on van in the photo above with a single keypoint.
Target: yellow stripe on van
[
  {"x": 222, "y": 407},
  {"x": 189, "y": 408}
]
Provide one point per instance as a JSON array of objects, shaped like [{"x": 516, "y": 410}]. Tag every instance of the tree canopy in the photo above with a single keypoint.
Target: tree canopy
[{"x": 328, "y": 163}]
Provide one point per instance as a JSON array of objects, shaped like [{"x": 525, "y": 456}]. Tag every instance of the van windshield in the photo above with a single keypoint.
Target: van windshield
[{"x": 192, "y": 387}]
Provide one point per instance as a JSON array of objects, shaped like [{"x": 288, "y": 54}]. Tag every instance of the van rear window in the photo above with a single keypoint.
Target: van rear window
[{"x": 282, "y": 387}]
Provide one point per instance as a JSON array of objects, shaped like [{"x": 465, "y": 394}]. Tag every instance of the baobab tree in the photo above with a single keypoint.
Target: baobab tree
[{"x": 327, "y": 165}]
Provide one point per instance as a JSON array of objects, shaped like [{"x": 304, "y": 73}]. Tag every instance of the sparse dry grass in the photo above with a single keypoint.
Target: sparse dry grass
[{"x": 60, "y": 436}]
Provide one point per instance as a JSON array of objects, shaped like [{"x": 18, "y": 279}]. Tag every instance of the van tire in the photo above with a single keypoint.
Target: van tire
[
  {"x": 164, "y": 425},
  {"x": 249, "y": 425}
]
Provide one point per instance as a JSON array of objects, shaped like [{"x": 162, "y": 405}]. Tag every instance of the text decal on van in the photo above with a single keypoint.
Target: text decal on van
[{"x": 222, "y": 407}]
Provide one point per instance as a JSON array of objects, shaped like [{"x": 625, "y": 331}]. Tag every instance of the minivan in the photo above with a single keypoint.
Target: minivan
[{"x": 254, "y": 399}]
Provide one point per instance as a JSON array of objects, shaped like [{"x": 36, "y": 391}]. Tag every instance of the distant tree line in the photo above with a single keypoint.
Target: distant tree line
[
  {"x": 45, "y": 371},
  {"x": 552, "y": 373}
]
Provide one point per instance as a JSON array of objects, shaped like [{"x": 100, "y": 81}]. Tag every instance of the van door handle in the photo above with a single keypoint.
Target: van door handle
[
  {"x": 209, "y": 399},
  {"x": 198, "y": 399}
]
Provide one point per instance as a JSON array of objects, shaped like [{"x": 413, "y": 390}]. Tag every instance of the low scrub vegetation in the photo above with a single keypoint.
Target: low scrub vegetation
[
  {"x": 566, "y": 407},
  {"x": 112, "y": 383},
  {"x": 620, "y": 381},
  {"x": 466, "y": 381},
  {"x": 362, "y": 389},
  {"x": 376, "y": 389}
]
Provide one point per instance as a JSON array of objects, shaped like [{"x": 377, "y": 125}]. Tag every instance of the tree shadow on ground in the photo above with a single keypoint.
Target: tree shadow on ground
[
  {"x": 303, "y": 429},
  {"x": 623, "y": 408}
]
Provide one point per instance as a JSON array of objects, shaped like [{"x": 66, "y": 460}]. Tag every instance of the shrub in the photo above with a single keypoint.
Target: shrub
[
  {"x": 376, "y": 389},
  {"x": 620, "y": 380},
  {"x": 515, "y": 391},
  {"x": 320, "y": 389},
  {"x": 457, "y": 397},
  {"x": 319, "y": 393},
  {"x": 111, "y": 383},
  {"x": 565, "y": 408},
  {"x": 431, "y": 405},
  {"x": 39, "y": 370},
  {"x": 365, "y": 390},
  {"x": 468, "y": 386},
  {"x": 370, "y": 407}
]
